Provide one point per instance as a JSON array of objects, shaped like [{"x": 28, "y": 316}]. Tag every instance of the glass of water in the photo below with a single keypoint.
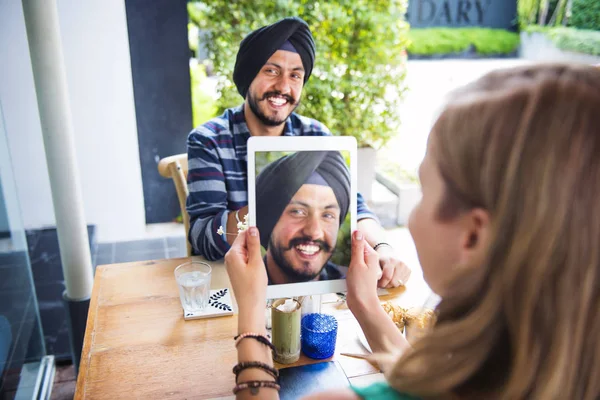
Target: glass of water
[{"x": 193, "y": 279}]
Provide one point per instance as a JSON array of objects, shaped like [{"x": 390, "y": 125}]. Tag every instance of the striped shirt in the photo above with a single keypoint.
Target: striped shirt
[{"x": 217, "y": 175}]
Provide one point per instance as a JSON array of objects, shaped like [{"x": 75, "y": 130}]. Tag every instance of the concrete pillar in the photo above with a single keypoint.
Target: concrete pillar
[{"x": 43, "y": 34}]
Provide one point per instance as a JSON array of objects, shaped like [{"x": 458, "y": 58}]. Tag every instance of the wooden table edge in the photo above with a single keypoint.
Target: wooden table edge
[{"x": 88, "y": 337}]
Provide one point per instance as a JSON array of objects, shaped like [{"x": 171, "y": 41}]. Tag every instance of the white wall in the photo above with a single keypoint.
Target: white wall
[{"x": 96, "y": 51}]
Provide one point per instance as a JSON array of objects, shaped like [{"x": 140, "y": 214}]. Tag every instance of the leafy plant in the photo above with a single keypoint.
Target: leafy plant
[
  {"x": 203, "y": 105},
  {"x": 399, "y": 174},
  {"x": 526, "y": 11},
  {"x": 431, "y": 41},
  {"x": 358, "y": 77},
  {"x": 576, "y": 40},
  {"x": 343, "y": 248},
  {"x": 262, "y": 159},
  {"x": 542, "y": 12},
  {"x": 586, "y": 14},
  {"x": 571, "y": 39}
]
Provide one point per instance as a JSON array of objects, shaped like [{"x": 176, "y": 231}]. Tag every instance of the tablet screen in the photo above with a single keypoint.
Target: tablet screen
[{"x": 304, "y": 205}]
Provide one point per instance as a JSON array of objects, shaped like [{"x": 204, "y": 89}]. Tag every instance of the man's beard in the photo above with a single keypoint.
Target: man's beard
[
  {"x": 253, "y": 103},
  {"x": 277, "y": 252}
]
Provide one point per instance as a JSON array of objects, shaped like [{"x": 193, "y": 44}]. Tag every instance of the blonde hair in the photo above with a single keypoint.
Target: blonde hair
[{"x": 523, "y": 144}]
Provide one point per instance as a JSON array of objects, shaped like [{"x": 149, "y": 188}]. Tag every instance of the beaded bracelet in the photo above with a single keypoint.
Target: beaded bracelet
[
  {"x": 261, "y": 338},
  {"x": 378, "y": 245},
  {"x": 239, "y": 367},
  {"x": 255, "y": 385}
]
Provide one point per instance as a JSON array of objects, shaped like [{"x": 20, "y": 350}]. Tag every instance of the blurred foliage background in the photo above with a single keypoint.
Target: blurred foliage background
[
  {"x": 572, "y": 25},
  {"x": 358, "y": 78}
]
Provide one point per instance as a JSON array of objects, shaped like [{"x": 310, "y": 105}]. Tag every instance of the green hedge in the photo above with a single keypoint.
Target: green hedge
[
  {"x": 585, "y": 14},
  {"x": 358, "y": 79},
  {"x": 431, "y": 41},
  {"x": 529, "y": 12},
  {"x": 576, "y": 40},
  {"x": 204, "y": 107},
  {"x": 571, "y": 39}
]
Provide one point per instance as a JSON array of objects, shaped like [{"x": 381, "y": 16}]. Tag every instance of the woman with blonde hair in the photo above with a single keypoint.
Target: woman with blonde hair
[{"x": 507, "y": 233}]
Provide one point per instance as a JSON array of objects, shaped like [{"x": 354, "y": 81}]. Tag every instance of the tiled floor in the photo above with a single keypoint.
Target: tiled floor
[
  {"x": 140, "y": 250},
  {"x": 47, "y": 273},
  {"x": 64, "y": 383}
]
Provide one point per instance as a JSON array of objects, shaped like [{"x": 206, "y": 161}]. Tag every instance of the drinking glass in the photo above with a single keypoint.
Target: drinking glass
[{"x": 193, "y": 279}]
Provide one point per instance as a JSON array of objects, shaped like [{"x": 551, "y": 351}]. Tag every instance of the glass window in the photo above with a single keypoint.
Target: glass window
[{"x": 22, "y": 350}]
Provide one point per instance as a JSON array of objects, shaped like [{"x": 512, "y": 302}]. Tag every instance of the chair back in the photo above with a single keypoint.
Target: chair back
[{"x": 176, "y": 168}]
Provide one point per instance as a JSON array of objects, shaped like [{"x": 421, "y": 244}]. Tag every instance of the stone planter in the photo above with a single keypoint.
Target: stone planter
[
  {"x": 409, "y": 195},
  {"x": 367, "y": 161},
  {"x": 536, "y": 46}
]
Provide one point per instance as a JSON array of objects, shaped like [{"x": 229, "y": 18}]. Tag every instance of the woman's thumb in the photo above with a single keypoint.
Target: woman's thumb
[
  {"x": 358, "y": 246},
  {"x": 253, "y": 243},
  {"x": 371, "y": 256}
]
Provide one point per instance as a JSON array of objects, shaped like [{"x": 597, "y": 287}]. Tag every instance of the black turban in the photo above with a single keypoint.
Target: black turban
[
  {"x": 280, "y": 180},
  {"x": 259, "y": 46}
]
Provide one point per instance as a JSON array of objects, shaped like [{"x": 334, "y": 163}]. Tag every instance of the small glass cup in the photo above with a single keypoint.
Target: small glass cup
[
  {"x": 311, "y": 304},
  {"x": 193, "y": 279},
  {"x": 319, "y": 335}
]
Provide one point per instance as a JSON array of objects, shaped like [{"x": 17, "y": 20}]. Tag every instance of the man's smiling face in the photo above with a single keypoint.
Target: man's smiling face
[
  {"x": 304, "y": 238},
  {"x": 275, "y": 91}
]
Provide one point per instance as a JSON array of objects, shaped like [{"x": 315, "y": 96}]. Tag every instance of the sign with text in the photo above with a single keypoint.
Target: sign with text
[{"x": 500, "y": 14}]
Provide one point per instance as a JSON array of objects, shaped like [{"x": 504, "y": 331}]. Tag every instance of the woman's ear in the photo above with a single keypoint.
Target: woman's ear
[{"x": 475, "y": 225}]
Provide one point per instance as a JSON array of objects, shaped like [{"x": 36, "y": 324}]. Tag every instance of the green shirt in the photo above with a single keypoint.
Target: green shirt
[{"x": 381, "y": 391}]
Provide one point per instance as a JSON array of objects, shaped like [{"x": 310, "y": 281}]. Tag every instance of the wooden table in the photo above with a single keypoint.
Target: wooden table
[{"x": 137, "y": 344}]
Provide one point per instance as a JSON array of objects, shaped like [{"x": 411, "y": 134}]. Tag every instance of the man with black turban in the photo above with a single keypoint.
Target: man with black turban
[
  {"x": 272, "y": 66},
  {"x": 301, "y": 201}
]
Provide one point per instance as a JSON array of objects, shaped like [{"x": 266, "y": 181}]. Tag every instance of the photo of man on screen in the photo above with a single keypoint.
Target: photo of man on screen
[{"x": 301, "y": 201}]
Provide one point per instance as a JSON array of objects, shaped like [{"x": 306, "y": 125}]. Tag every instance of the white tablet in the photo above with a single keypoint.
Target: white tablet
[{"x": 302, "y": 198}]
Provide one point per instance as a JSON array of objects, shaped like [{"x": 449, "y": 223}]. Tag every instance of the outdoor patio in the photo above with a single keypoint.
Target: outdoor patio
[
  {"x": 427, "y": 79},
  {"x": 132, "y": 103}
]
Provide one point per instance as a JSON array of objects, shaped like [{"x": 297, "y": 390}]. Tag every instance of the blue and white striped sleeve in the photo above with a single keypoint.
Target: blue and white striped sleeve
[
  {"x": 363, "y": 211},
  {"x": 207, "y": 200}
]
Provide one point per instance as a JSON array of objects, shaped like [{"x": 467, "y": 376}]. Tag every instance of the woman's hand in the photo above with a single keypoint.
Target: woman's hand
[
  {"x": 248, "y": 277},
  {"x": 394, "y": 272},
  {"x": 363, "y": 274}
]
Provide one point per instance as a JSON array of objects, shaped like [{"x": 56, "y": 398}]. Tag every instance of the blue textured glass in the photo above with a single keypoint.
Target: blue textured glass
[{"x": 319, "y": 333}]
